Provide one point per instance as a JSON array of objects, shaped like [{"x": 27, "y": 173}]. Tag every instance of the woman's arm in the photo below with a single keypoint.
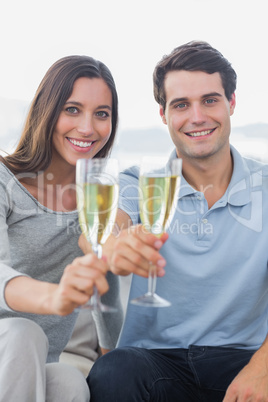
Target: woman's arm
[{"x": 75, "y": 288}]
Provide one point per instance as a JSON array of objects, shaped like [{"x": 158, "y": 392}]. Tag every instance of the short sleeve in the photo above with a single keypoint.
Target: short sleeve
[
  {"x": 129, "y": 193},
  {"x": 6, "y": 271}
]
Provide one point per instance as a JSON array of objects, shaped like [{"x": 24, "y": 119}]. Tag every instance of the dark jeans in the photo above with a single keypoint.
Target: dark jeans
[{"x": 197, "y": 374}]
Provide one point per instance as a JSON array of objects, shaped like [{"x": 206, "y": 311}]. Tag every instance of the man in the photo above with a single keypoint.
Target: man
[{"x": 210, "y": 344}]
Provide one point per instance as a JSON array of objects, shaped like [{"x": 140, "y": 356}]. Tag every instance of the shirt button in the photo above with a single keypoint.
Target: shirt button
[
  {"x": 199, "y": 197},
  {"x": 204, "y": 220}
]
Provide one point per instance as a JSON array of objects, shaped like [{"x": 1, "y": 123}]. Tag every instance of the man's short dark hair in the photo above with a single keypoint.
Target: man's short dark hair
[{"x": 194, "y": 56}]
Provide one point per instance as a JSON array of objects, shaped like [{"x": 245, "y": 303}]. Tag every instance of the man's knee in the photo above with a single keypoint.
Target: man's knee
[
  {"x": 118, "y": 361},
  {"x": 117, "y": 375}
]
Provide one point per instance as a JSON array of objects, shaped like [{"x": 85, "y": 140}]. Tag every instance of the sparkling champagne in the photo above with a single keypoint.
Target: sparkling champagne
[
  {"x": 80, "y": 209},
  {"x": 97, "y": 197},
  {"x": 159, "y": 186},
  {"x": 97, "y": 211},
  {"x": 157, "y": 205}
]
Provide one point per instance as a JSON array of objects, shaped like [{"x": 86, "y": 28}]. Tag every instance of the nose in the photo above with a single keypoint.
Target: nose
[
  {"x": 197, "y": 114},
  {"x": 85, "y": 125}
]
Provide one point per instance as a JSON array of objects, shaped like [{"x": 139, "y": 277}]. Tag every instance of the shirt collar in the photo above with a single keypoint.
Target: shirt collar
[
  {"x": 247, "y": 177},
  {"x": 239, "y": 190},
  {"x": 185, "y": 188}
]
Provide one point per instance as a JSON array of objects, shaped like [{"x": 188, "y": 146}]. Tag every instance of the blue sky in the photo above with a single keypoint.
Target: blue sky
[{"x": 131, "y": 37}]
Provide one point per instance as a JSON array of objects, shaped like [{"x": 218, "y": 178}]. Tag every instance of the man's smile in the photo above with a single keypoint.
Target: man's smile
[{"x": 200, "y": 133}]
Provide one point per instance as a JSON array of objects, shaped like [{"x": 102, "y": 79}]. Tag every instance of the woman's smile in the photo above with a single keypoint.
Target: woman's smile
[{"x": 80, "y": 145}]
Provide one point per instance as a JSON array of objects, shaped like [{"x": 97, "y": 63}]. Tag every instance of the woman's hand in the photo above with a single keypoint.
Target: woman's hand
[
  {"x": 75, "y": 288},
  {"x": 78, "y": 282},
  {"x": 84, "y": 244}
]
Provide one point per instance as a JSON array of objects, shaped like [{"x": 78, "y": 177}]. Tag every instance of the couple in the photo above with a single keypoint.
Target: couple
[{"x": 210, "y": 344}]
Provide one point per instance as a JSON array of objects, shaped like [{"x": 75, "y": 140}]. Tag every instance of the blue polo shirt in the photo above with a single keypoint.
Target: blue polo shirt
[{"x": 216, "y": 272}]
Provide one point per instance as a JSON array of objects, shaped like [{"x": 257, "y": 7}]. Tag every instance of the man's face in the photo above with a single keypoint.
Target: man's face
[{"x": 197, "y": 113}]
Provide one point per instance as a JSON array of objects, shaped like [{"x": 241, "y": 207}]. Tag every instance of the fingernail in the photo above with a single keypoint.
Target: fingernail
[
  {"x": 161, "y": 272},
  {"x": 161, "y": 263},
  {"x": 158, "y": 244}
]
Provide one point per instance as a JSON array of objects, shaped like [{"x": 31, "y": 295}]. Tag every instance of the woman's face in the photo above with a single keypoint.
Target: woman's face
[{"x": 85, "y": 122}]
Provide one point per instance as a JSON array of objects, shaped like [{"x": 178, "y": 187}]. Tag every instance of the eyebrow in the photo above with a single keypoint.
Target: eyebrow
[
  {"x": 184, "y": 99},
  {"x": 80, "y": 104}
]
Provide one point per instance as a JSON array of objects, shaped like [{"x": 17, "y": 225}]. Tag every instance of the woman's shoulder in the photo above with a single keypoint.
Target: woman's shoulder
[
  {"x": 13, "y": 189},
  {"x": 5, "y": 173}
]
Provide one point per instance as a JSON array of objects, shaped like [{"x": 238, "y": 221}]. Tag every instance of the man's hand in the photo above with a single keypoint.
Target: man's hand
[
  {"x": 251, "y": 384},
  {"x": 133, "y": 250},
  {"x": 130, "y": 249}
]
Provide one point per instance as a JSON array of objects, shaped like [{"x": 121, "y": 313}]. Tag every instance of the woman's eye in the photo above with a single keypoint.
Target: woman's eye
[
  {"x": 72, "y": 110},
  {"x": 102, "y": 114}
]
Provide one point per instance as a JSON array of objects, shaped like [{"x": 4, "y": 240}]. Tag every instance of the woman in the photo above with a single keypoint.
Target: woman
[{"x": 43, "y": 274}]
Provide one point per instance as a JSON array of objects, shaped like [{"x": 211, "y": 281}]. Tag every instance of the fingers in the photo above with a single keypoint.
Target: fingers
[
  {"x": 148, "y": 238},
  {"x": 134, "y": 250},
  {"x": 91, "y": 261},
  {"x": 84, "y": 244},
  {"x": 80, "y": 278},
  {"x": 88, "y": 271}
]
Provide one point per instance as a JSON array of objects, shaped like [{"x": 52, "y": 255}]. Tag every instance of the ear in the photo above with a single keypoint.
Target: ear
[
  {"x": 162, "y": 114},
  {"x": 232, "y": 103}
]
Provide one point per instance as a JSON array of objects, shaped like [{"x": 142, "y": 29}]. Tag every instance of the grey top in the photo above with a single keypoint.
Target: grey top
[{"x": 38, "y": 242}]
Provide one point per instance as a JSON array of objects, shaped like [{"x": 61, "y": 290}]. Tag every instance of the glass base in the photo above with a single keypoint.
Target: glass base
[
  {"x": 96, "y": 307},
  {"x": 150, "y": 300}
]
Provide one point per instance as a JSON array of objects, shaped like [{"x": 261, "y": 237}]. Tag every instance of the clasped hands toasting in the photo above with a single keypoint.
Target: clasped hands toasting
[{"x": 129, "y": 250}]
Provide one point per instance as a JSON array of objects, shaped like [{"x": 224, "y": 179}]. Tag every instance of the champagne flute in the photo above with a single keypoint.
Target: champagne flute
[
  {"x": 97, "y": 199},
  {"x": 159, "y": 186}
]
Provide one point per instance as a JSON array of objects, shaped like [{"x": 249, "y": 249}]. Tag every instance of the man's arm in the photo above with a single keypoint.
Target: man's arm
[{"x": 251, "y": 384}]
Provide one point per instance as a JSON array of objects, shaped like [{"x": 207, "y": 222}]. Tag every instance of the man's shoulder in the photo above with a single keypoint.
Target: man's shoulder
[
  {"x": 130, "y": 172},
  {"x": 254, "y": 165},
  {"x": 247, "y": 166}
]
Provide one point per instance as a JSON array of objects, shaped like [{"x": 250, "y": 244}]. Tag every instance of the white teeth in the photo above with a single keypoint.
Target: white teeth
[
  {"x": 199, "y": 133},
  {"x": 81, "y": 144}
]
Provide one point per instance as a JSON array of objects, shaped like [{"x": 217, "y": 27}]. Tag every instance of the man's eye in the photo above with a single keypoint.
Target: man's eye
[
  {"x": 209, "y": 101},
  {"x": 181, "y": 105},
  {"x": 72, "y": 110}
]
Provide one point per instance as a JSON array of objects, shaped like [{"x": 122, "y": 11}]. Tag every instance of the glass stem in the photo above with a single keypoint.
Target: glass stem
[
  {"x": 152, "y": 279},
  {"x": 97, "y": 249}
]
